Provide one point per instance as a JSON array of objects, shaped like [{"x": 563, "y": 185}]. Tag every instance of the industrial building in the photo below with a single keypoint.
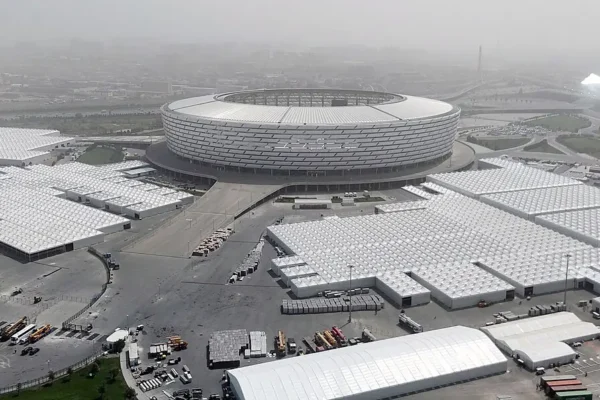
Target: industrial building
[
  {"x": 300, "y": 132},
  {"x": 22, "y": 147},
  {"x": 378, "y": 370},
  {"x": 544, "y": 340},
  {"x": 49, "y": 210},
  {"x": 451, "y": 246}
]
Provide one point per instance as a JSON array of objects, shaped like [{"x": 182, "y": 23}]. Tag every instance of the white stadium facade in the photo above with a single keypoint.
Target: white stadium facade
[{"x": 308, "y": 132}]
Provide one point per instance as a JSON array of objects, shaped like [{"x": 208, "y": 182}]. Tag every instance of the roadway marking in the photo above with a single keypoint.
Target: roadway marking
[{"x": 4, "y": 362}]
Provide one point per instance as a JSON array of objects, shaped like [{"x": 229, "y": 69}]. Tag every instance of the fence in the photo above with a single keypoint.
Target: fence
[
  {"x": 67, "y": 325},
  {"x": 57, "y": 374}
]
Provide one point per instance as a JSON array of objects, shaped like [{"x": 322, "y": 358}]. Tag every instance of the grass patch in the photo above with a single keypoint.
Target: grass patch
[
  {"x": 101, "y": 155},
  {"x": 368, "y": 199},
  {"x": 581, "y": 144},
  {"x": 542, "y": 147},
  {"x": 79, "y": 386},
  {"x": 562, "y": 122},
  {"x": 498, "y": 144}
]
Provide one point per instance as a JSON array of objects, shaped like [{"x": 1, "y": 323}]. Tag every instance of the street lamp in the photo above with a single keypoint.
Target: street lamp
[
  {"x": 350, "y": 267},
  {"x": 567, "y": 256}
]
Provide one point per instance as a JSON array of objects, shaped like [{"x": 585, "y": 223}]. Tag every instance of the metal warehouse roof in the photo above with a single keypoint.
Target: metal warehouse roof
[
  {"x": 23, "y": 144},
  {"x": 210, "y": 107},
  {"x": 399, "y": 365}
]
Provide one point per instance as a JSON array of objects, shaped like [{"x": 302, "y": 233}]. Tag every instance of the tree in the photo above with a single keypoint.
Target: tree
[
  {"x": 101, "y": 391},
  {"x": 95, "y": 368},
  {"x": 51, "y": 375},
  {"x": 19, "y": 386},
  {"x": 130, "y": 394},
  {"x": 119, "y": 346},
  {"x": 112, "y": 375},
  {"x": 70, "y": 371}
]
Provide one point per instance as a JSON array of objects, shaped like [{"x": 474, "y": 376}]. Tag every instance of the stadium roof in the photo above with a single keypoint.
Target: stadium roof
[
  {"x": 379, "y": 369},
  {"x": 405, "y": 108},
  {"x": 18, "y": 144}
]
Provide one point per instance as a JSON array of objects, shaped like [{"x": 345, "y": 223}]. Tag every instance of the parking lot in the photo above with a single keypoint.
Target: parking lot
[
  {"x": 199, "y": 301},
  {"x": 66, "y": 283}
]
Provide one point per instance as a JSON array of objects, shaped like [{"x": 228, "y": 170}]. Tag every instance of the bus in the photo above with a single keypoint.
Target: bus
[{"x": 23, "y": 334}]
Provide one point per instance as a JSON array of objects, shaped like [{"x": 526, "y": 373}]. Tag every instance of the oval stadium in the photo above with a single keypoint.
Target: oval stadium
[{"x": 310, "y": 132}]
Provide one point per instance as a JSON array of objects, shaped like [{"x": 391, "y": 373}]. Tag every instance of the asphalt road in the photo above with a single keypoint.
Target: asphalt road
[{"x": 216, "y": 209}]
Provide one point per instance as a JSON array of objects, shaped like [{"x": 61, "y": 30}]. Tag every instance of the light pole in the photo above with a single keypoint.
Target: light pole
[
  {"x": 128, "y": 324},
  {"x": 568, "y": 256},
  {"x": 190, "y": 221},
  {"x": 350, "y": 267}
]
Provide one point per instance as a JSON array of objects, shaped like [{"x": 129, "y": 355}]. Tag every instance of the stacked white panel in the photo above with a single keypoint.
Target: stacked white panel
[
  {"x": 419, "y": 192},
  {"x": 403, "y": 206},
  {"x": 24, "y": 239},
  {"x": 58, "y": 229},
  {"x": 530, "y": 203},
  {"x": 583, "y": 225},
  {"x": 436, "y": 188},
  {"x": 514, "y": 177},
  {"x": 453, "y": 231},
  {"x": 278, "y": 263},
  {"x": 461, "y": 285},
  {"x": 64, "y": 209},
  {"x": 397, "y": 286},
  {"x": 21, "y": 146},
  {"x": 79, "y": 185}
]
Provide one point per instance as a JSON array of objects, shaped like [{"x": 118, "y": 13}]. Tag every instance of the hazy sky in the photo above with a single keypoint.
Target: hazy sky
[{"x": 548, "y": 25}]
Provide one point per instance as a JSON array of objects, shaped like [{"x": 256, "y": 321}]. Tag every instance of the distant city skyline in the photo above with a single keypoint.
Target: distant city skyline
[{"x": 509, "y": 27}]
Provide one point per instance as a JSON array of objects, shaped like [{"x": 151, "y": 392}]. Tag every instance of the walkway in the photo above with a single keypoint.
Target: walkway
[{"x": 216, "y": 209}]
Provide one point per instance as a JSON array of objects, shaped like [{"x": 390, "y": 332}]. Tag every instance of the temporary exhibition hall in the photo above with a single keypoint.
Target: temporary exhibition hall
[
  {"x": 544, "y": 340},
  {"x": 453, "y": 245},
  {"x": 22, "y": 147},
  {"x": 48, "y": 210},
  {"x": 382, "y": 369}
]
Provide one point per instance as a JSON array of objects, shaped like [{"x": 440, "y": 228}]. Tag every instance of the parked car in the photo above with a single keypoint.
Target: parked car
[
  {"x": 34, "y": 351},
  {"x": 26, "y": 350}
]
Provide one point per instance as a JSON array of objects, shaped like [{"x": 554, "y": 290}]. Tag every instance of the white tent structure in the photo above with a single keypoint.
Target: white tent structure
[
  {"x": 37, "y": 219},
  {"x": 376, "y": 370},
  {"x": 542, "y": 341},
  {"x": 19, "y": 146}
]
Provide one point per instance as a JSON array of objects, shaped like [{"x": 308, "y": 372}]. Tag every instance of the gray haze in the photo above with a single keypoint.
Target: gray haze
[{"x": 516, "y": 26}]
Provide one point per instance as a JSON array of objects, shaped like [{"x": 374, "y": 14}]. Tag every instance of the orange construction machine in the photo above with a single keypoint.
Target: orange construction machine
[
  {"x": 280, "y": 343},
  {"x": 39, "y": 333},
  {"x": 321, "y": 341},
  {"x": 330, "y": 339},
  {"x": 13, "y": 328},
  {"x": 177, "y": 343}
]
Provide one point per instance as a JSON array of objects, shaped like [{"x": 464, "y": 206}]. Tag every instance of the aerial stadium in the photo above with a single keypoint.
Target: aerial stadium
[{"x": 310, "y": 132}]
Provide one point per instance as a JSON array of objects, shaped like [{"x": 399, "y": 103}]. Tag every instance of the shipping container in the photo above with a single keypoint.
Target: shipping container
[
  {"x": 567, "y": 382},
  {"x": 545, "y": 379},
  {"x": 571, "y": 388},
  {"x": 579, "y": 395}
]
